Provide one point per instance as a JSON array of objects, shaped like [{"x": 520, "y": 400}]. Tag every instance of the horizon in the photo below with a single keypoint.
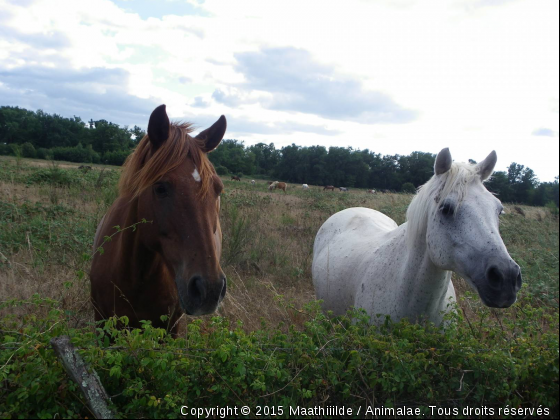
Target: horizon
[{"x": 394, "y": 77}]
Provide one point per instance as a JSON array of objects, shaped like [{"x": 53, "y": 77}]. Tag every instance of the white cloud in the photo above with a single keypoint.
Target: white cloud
[{"x": 479, "y": 75}]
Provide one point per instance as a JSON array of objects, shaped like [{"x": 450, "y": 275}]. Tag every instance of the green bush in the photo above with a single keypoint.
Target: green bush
[
  {"x": 53, "y": 176},
  {"x": 76, "y": 154},
  {"x": 408, "y": 187},
  {"x": 16, "y": 150},
  {"x": 552, "y": 207},
  {"x": 28, "y": 150},
  {"x": 222, "y": 170},
  {"x": 5, "y": 149},
  {"x": 151, "y": 375},
  {"x": 43, "y": 153},
  {"x": 116, "y": 157}
]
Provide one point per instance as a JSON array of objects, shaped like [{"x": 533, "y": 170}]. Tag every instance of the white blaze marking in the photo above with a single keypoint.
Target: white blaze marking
[{"x": 196, "y": 175}]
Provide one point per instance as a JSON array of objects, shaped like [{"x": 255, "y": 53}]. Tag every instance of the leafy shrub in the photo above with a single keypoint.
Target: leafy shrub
[
  {"x": 222, "y": 170},
  {"x": 76, "y": 154},
  {"x": 116, "y": 157},
  {"x": 53, "y": 176},
  {"x": 5, "y": 149},
  {"x": 43, "y": 153},
  {"x": 16, "y": 150},
  {"x": 28, "y": 150},
  {"x": 408, "y": 187},
  {"x": 553, "y": 208},
  {"x": 150, "y": 374}
]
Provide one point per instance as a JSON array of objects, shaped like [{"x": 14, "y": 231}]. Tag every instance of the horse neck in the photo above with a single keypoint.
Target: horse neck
[{"x": 426, "y": 283}]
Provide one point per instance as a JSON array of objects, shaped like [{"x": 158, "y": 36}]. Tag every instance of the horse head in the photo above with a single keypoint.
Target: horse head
[
  {"x": 183, "y": 201},
  {"x": 462, "y": 229}
]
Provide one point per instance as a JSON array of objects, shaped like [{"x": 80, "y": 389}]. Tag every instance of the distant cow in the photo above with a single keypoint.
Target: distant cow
[
  {"x": 328, "y": 187},
  {"x": 305, "y": 186},
  {"x": 343, "y": 189},
  {"x": 252, "y": 182},
  {"x": 371, "y": 192},
  {"x": 235, "y": 178}
]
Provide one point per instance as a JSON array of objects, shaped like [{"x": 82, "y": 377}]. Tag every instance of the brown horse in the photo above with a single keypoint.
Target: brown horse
[
  {"x": 235, "y": 178},
  {"x": 281, "y": 186},
  {"x": 328, "y": 187},
  {"x": 171, "y": 264}
]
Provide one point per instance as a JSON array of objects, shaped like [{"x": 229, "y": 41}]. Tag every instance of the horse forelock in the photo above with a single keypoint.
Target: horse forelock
[
  {"x": 144, "y": 167},
  {"x": 455, "y": 181}
]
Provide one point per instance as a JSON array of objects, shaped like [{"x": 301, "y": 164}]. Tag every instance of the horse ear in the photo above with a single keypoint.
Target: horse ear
[
  {"x": 443, "y": 162},
  {"x": 486, "y": 167},
  {"x": 158, "y": 127},
  {"x": 213, "y": 136}
]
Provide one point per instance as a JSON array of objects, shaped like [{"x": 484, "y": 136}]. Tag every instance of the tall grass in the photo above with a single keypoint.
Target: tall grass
[{"x": 49, "y": 215}]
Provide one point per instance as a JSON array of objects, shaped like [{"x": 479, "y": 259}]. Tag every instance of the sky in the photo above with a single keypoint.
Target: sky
[{"x": 391, "y": 76}]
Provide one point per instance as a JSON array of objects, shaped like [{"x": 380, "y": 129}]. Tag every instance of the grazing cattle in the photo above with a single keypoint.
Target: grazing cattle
[
  {"x": 362, "y": 259},
  {"x": 171, "y": 264},
  {"x": 328, "y": 187},
  {"x": 305, "y": 186},
  {"x": 235, "y": 178}
]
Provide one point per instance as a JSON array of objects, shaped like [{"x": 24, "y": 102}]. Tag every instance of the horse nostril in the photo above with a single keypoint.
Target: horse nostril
[
  {"x": 494, "y": 276},
  {"x": 224, "y": 288},
  {"x": 197, "y": 289},
  {"x": 518, "y": 280}
]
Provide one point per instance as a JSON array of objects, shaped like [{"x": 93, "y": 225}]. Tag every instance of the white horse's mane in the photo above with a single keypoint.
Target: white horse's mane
[{"x": 455, "y": 181}]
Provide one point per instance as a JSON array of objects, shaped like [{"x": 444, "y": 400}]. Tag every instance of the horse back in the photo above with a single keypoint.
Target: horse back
[
  {"x": 344, "y": 242},
  {"x": 354, "y": 225}
]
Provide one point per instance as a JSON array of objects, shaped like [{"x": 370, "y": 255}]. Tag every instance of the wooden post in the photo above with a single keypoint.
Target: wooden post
[{"x": 89, "y": 383}]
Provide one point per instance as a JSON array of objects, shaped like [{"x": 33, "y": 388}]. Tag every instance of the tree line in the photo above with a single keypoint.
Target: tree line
[{"x": 41, "y": 135}]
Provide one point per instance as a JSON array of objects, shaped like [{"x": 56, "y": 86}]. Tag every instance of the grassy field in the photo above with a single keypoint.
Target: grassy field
[{"x": 49, "y": 212}]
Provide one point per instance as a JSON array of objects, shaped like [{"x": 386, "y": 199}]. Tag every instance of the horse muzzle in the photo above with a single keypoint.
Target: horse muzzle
[
  {"x": 500, "y": 285},
  {"x": 200, "y": 296}
]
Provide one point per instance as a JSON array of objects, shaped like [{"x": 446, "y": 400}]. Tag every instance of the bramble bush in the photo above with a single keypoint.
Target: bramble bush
[
  {"x": 76, "y": 154},
  {"x": 327, "y": 362}
]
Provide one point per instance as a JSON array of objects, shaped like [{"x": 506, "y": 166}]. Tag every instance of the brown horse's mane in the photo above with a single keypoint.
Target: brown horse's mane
[{"x": 144, "y": 167}]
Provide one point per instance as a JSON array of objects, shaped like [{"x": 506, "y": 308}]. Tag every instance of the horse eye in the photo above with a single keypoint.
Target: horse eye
[
  {"x": 160, "y": 190},
  {"x": 447, "y": 209}
]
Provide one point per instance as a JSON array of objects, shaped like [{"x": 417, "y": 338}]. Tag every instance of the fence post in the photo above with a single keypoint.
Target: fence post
[{"x": 89, "y": 383}]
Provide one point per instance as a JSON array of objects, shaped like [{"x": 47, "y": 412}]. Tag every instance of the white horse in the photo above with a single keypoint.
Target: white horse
[
  {"x": 305, "y": 186},
  {"x": 362, "y": 259}
]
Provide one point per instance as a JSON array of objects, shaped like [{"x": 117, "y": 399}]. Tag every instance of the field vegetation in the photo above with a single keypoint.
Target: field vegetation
[{"x": 269, "y": 344}]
